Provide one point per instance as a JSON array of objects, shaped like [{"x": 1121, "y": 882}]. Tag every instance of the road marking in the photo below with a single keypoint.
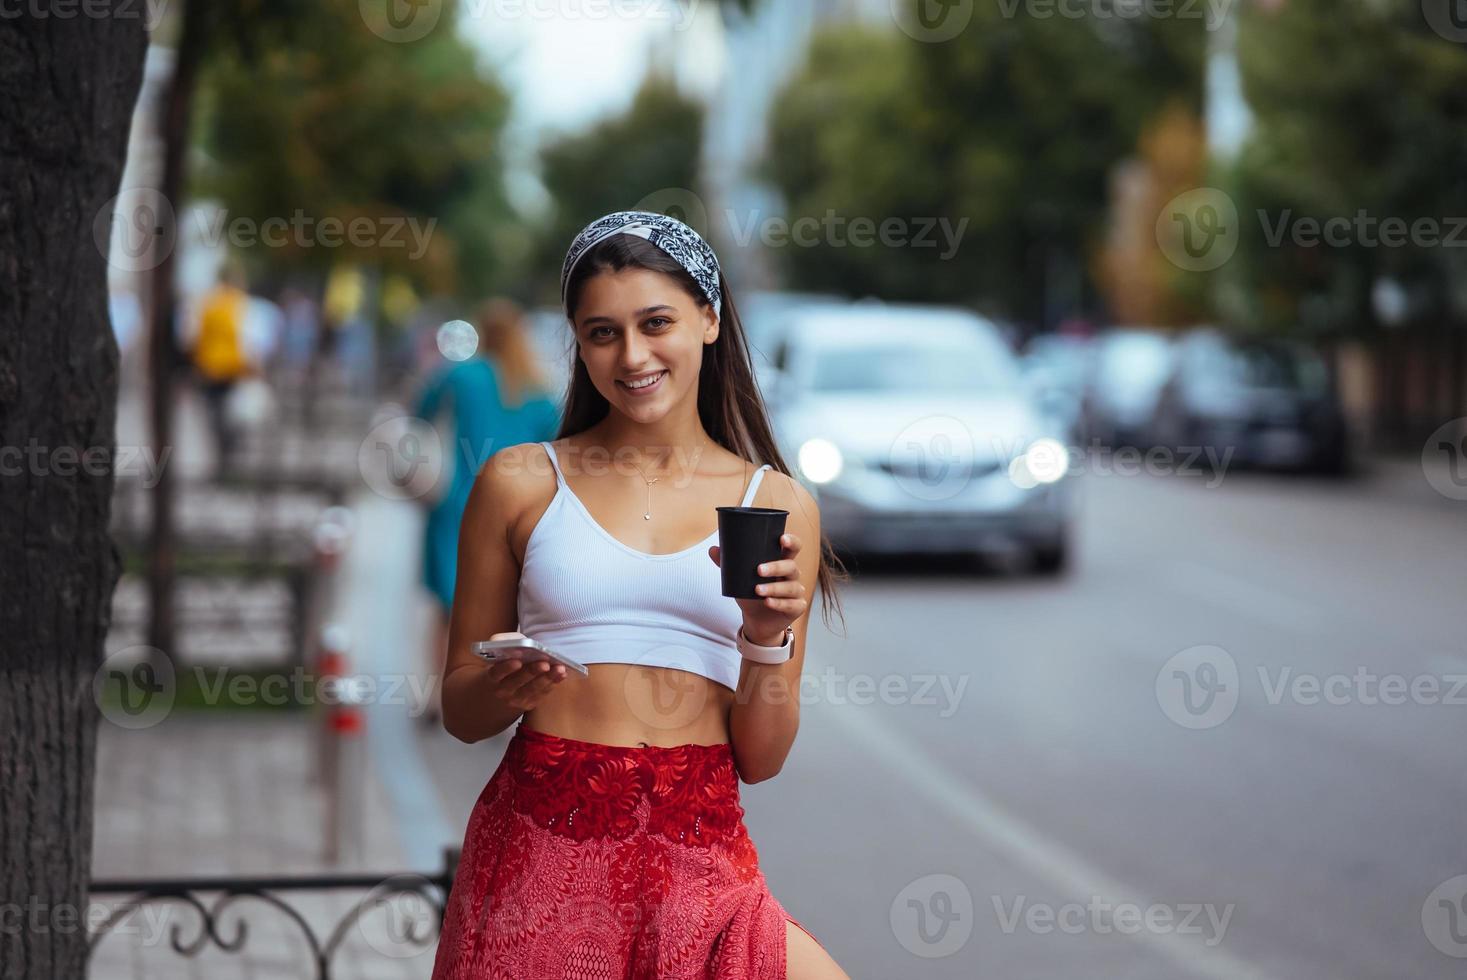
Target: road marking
[{"x": 906, "y": 759}]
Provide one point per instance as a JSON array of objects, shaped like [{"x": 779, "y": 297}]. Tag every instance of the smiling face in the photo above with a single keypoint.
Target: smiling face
[{"x": 635, "y": 324}]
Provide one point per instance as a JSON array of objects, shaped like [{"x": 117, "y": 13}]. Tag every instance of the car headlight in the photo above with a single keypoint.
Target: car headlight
[
  {"x": 1045, "y": 461},
  {"x": 820, "y": 460}
]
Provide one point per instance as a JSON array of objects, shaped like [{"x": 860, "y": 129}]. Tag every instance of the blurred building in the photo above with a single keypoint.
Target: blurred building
[{"x": 762, "y": 51}]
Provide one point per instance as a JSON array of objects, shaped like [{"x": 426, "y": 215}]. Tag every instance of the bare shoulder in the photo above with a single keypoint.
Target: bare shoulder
[
  {"x": 507, "y": 469},
  {"x": 786, "y": 493},
  {"x": 513, "y": 478}
]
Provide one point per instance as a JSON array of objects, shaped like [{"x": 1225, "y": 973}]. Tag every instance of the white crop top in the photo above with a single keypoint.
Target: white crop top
[{"x": 586, "y": 594}]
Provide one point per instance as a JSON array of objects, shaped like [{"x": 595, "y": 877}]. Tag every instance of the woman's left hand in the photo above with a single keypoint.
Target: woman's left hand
[{"x": 782, "y": 601}]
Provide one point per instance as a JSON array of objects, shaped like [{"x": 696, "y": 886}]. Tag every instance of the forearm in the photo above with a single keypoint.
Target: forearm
[
  {"x": 470, "y": 711},
  {"x": 764, "y": 718}
]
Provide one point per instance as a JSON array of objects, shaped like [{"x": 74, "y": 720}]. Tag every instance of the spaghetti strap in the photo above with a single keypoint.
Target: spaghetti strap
[
  {"x": 753, "y": 486},
  {"x": 555, "y": 463}
]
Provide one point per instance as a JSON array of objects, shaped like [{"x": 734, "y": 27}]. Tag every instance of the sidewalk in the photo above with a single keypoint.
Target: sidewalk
[
  {"x": 234, "y": 793},
  {"x": 229, "y": 796}
]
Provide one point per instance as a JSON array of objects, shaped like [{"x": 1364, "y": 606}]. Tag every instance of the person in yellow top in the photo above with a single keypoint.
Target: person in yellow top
[{"x": 220, "y": 357}]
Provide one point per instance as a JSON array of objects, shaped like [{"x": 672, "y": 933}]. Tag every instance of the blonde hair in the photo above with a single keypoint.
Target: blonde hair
[{"x": 503, "y": 336}]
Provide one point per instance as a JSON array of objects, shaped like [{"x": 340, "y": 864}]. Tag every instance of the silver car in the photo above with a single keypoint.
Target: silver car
[{"x": 913, "y": 428}]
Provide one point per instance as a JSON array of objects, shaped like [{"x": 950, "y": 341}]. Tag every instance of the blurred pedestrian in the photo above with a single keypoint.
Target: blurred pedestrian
[
  {"x": 220, "y": 356},
  {"x": 498, "y": 397},
  {"x": 298, "y": 345}
]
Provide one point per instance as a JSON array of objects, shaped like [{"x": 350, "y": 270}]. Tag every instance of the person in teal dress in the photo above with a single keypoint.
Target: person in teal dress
[{"x": 498, "y": 397}]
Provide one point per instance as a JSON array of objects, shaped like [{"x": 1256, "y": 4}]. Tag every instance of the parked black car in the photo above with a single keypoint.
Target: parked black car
[
  {"x": 1256, "y": 402},
  {"x": 1127, "y": 369}
]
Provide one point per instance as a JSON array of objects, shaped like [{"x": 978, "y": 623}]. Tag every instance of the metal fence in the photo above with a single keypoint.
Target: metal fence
[{"x": 416, "y": 923}]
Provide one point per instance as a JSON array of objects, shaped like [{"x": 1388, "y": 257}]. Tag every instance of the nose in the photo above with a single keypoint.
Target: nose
[{"x": 633, "y": 352}]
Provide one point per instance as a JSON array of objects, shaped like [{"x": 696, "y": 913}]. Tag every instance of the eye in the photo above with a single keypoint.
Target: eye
[{"x": 659, "y": 319}]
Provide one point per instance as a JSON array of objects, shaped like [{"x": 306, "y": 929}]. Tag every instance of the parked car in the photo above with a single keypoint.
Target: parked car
[
  {"x": 913, "y": 428},
  {"x": 1128, "y": 370},
  {"x": 1056, "y": 367},
  {"x": 764, "y": 315},
  {"x": 1262, "y": 402}
]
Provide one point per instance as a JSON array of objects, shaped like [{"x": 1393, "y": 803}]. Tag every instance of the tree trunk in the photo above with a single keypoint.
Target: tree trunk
[{"x": 71, "y": 77}]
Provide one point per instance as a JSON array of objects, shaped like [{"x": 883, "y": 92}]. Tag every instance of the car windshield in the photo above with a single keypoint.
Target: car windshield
[
  {"x": 974, "y": 367},
  {"x": 1269, "y": 366},
  {"x": 1134, "y": 358}
]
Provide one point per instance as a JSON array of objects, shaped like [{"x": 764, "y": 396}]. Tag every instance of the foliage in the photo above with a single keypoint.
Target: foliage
[
  {"x": 614, "y": 165},
  {"x": 1344, "y": 126},
  {"x": 1014, "y": 124},
  {"x": 305, "y": 110}
]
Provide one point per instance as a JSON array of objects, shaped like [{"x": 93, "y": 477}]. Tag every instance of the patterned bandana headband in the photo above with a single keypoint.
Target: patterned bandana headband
[{"x": 669, "y": 234}]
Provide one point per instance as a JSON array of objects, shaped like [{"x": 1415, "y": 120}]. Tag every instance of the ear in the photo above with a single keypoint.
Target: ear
[{"x": 711, "y": 324}]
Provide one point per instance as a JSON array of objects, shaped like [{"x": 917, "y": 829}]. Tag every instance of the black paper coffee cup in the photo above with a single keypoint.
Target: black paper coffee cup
[{"x": 747, "y": 538}]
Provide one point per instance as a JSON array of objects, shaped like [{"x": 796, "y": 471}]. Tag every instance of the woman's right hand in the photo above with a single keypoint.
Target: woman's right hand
[{"x": 520, "y": 684}]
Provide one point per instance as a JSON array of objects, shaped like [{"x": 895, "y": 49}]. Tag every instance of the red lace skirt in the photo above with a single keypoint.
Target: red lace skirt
[{"x": 585, "y": 861}]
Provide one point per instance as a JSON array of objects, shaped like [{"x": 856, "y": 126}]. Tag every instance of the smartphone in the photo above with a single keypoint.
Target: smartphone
[{"x": 525, "y": 649}]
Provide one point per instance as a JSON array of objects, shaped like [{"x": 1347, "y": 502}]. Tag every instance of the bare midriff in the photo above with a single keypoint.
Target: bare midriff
[{"x": 634, "y": 705}]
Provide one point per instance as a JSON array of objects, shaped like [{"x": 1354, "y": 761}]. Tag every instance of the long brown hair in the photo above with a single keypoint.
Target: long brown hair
[
  {"x": 729, "y": 403},
  {"x": 502, "y": 335}
]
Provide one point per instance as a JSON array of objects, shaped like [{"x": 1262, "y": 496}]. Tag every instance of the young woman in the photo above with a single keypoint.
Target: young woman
[{"x": 610, "y": 841}]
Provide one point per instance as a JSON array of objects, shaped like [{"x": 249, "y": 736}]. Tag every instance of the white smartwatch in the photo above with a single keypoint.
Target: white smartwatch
[{"x": 767, "y": 655}]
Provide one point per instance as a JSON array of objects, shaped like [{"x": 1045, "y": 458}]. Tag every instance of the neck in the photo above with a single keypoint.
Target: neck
[{"x": 666, "y": 445}]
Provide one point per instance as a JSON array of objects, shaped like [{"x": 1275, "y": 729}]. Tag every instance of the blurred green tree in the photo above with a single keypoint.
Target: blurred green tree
[
  {"x": 306, "y": 110},
  {"x": 1353, "y": 190},
  {"x": 1014, "y": 124},
  {"x": 613, "y": 166},
  {"x": 1345, "y": 128}
]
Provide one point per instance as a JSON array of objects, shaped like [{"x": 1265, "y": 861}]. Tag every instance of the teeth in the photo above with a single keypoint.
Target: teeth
[{"x": 643, "y": 384}]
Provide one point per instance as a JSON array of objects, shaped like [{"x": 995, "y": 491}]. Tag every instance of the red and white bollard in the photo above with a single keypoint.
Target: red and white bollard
[{"x": 342, "y": 755}]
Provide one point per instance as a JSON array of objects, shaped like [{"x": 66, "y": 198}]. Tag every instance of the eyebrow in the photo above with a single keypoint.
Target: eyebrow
[{"x": 637, "y": 314}]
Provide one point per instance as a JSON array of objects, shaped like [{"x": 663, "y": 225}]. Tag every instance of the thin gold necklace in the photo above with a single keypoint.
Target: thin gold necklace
[{"x": 696, "y": 456}]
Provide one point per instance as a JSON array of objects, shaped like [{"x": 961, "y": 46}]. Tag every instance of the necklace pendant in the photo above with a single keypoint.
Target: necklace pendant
[{"x": 646, "y": 517}]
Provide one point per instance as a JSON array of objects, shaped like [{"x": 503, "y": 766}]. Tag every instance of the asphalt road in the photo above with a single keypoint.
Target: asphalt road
[{"x": 1181, "y": 760}]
